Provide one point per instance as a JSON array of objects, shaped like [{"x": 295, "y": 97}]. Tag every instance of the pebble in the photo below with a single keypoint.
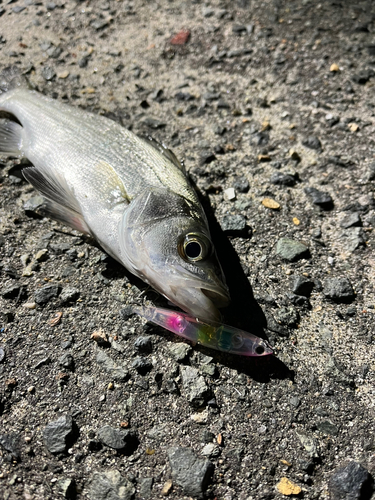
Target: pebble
[
  {"x": 122, "y": 440},
  {"x": 63, "y": 74},
  {"x": 302, "y": 286},
  {"x": 234, "y": 225},
  {"x": 287, "y": 316},
  {"x": 67, "y": 361},
  {"x": 59, "y": 434},
  {"x": 193, "y": 474},
  {"x": 270, "y": 203},
  {"x": 68, "y": 489},
  {"x": 327, "y": 427},
  {"x": 351, "y": 220},
  {"x": 339, "y": 290},
  {"x": 351, "y": 482},
  {"x": 48, "y": 73},
  {"x": 10, "y": 443},
  {"x": 145, "y": 487},
  {"x": 13, "y": 292},
  {"x": 18, "y": 8},
  {"x": 354, "y": 238},
  {"x": 320, "y": 198},
  {"x": 280, "y": 179},
  {"x": 312, "y": 142},
  {"x": 69, "y": 295},
  {"x": 286, "y": 487},
  {"x": 229, "y": 194},
  {"x": 110, "y": 485},
  {"x": 167, "y": 487},
  {"x": 241, "y": 184},
  {"x": 142, "y": 365},
  {"x": 181, "y": 38},
  {"x": 180, "y": 351},
  {"x": 143, "y": 344},
  {"x": 32, "y": 204},
  {"x": 210, "y": 450},
  {"x": 153, "y": 123},
  {"x": 2, "y": 354},
  {"x": 363, "y": 76},
  {"x": 291, "y": 250},
  {"x": 195, "y": 387},
  {"x": 107, "y": 363},
  {"x": 46, "y": 293}
]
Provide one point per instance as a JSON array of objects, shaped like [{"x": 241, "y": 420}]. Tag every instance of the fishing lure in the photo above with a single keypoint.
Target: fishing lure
[{"x": 218, "y": 336}]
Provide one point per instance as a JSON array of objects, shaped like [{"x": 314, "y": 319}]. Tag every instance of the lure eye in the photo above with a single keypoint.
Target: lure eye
[{"x": 195, "y": 247}]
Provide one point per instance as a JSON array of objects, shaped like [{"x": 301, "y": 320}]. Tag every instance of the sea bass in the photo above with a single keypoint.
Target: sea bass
[{"x": 131, "y": 194}]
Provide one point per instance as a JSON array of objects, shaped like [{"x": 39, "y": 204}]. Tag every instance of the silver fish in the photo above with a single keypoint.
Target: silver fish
[{"x": 131, "y": 194}]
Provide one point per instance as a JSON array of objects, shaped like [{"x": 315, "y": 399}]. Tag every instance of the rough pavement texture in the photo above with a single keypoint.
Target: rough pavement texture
[{"x": 251, "y": 94}]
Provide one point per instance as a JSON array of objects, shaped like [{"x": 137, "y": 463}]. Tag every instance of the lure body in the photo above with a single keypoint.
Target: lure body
[{"x": 221, "y": 337}]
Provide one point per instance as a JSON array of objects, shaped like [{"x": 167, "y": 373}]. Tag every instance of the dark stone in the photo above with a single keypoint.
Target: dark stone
[
  {"x": 143, "y": 344},
  {"x": 287, "y": 316},
  {"x": 241, "y": 184},
  {"x": 312, "y": 142},
  {"x": 69, "y": 295},
  {"x": 10, "y": 443},
  {"x": 13, "y": 292},
  {"x": 363, "y": 76},
  {"x": 123, "y": 440},
  {"x": 59, "y": 435},
  {"x": 142, "y": 365},
  {"x": 94, "y": 445},
  {"x": 339, "y": 290},
  {"x": 280, "y": 179},
  {"x": 46, "y": 293},
  {"x": 320, "y": 198},
  {"x": 145, "y": 487},
  {"x": 48, "y": 73},
  {"x": 352, "y": 482},
  {"x": 193, "y": 474},
  {"x": 67, "y": 361},
  {"x": 302, "y": 286},
  {"x": 327, "y": 427},
  {"x": 184, "y": 96},
  {"x": 234, "y": 225},
  {"x": 153, "y": 123},
  {"x": 260, "y": 139},
  {"x": 2, "y": 354},
  {"x": 239, "y": 29},
  {"x": 126, "y": 312},
  {"x": 207, "y": 157}
]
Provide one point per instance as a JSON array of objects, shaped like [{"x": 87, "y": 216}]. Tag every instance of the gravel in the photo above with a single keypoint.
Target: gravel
[{"x": 250, "y": 97}]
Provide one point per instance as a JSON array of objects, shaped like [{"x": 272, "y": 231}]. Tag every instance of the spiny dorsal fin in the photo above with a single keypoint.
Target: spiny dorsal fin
[{"x": 168, "y": 153}]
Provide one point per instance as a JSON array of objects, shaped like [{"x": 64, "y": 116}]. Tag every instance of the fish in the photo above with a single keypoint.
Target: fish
[
  {"x": 130, "y": 193},
  {"x": 214, "y": 335}
]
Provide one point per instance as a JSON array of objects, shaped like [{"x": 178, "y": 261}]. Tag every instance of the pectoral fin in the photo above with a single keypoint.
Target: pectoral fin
[
  {"x": 10, "y": 137},
  {"x": 60, "y": 203}
]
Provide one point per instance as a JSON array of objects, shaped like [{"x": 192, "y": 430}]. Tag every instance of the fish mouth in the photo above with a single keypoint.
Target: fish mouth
[{"x": 219, "y": 298}]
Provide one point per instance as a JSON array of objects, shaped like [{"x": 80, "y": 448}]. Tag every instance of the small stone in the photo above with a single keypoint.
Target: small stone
[
  {"x": 363, "y": 76},
  {"x": 193, "y": 474},
  {"x": 48, "y": 73},
  {"x": 181, "y": 38},
  {"x": 167, "y": 487},
  {"x": 69, "y": 295},
  {"x": 200, "y": 417},
  {"x": 18, "y": 8},
  {"x": 352, "y": 482},
  {"x": 270, "y": 203},
  {"x": 145, "y": 487},
  {"x": 351, "y": 220},
  {"x": 334, "y": 68},
  {"x": 195, "y": 387},
  {"x": 353, "y": 127},
  {"x": 230, "y": 194},
  {"x": 312, "y": 142},
  {"x": 153, "y": 123},
  {"x": 280, "y": 179},
  {"x": 32, "y": 204},
  {"x": 143, "y": 344},
  {"x": 2, "y": 354},
  {"x": 100, "y": 337},
  {"x": 302, "y": 286},
  {"x": 122, "y": 440},
  {"x": 286, "y": 487},
  {"x": 68, "y": 488},
  {"x": 13, "y": 292},
  {"x": 339, "y": 290},
  {"x": 59, "y": 434},
  {"x": 67, "y": 361},
  {"x": 287, "y": 316},
  {"x": 107, "y": 363},
  {"x": 210, "y": 450},
  {"x": 46, "y": 293},
  {"x": 110, "y": 485},
  {"x": 320, "y": 198},
  {"x": 142, "y": 365},
  {"x": 354, "y": 238},
  {"x": 291, "y": 250},
  {"x": 10, "y": 443},
  {"x": 180, "y": 351},
  {"x": 241, "y": 184},
  {"x": 234, "y": 225},
  {"x": 327, "y": 427},
  {"x": 63, "y": 74}
]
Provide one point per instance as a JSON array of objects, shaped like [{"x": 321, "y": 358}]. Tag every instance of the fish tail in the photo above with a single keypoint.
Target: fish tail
[{"x": 11, "y": 78}]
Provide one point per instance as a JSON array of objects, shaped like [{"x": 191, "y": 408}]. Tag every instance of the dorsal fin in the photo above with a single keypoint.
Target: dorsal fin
[{"x": 168, "y": 153}]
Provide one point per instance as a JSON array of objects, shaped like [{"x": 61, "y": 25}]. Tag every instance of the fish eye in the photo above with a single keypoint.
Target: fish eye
[{"x": 195, "y": 247}]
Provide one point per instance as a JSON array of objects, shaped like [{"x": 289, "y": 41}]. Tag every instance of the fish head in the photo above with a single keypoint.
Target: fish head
[{"x": 165, "y": 241}]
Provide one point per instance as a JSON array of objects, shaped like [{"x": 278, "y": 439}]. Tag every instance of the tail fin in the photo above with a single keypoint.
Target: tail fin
[{"x": 11, "y": 78}]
